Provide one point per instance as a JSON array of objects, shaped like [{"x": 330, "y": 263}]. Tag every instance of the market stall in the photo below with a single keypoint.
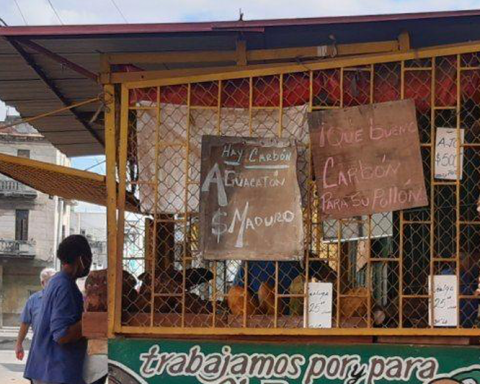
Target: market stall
[
  {"x": 218, "y": 249},
  {"x": 304, "y": 215}
]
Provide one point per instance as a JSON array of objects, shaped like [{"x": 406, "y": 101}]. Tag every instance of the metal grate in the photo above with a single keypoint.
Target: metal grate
[{"x": 380, "y": 265}]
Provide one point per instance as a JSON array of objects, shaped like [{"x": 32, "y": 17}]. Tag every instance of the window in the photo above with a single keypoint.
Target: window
[
  {"x": 23, "y": 153},
  {"x": 21, "y": 224}
]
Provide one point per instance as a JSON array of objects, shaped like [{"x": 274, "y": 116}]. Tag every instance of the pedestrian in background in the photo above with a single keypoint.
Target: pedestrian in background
[{"x": 29, "y": 316}]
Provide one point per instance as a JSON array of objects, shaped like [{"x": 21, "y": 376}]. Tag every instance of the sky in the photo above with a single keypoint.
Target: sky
[
  {"x": 151, "y": 11},
  {"x": 52, "y": 12}
]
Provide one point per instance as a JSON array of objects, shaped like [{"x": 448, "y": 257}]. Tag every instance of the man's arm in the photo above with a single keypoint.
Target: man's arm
[
  {"x": 22, "y": 333},
  {"x": 66, "y": 317},
  {"x": 73, "y": 333},
  {"x": 25, "y": 321}
]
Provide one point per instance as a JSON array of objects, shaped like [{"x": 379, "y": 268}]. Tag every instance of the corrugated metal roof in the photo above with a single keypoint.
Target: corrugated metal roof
[{"x": 21, "y": 87}]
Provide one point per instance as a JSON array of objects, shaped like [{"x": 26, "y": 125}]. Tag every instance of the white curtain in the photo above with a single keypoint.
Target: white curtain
[{"x": 172, "y": 155}]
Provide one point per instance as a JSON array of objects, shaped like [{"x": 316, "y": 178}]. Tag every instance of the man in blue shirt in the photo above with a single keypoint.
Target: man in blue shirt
[
  {"x": 30, "y": 313},
  {"x": 58, "y": 349}
]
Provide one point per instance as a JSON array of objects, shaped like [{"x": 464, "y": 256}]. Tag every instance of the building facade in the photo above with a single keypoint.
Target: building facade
[
  {"x": 92, "y": 225},
  {"x": 31, "y": 223}
]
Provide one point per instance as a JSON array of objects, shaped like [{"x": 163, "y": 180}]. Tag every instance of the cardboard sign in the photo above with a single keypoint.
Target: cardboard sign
[
  {"x": 445, "y": 309},
  {"x": 367, "y": 159},
  {"x": 446, "y": 154},
  {"x": 320, "y": 303},
  {"x": 250, "y": 204}
]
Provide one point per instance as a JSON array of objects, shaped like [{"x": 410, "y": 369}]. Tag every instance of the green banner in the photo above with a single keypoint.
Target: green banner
[{"x": 182, "y": 362}]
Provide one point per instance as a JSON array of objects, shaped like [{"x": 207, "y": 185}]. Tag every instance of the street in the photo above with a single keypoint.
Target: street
[{"x": 11, "y": 370}]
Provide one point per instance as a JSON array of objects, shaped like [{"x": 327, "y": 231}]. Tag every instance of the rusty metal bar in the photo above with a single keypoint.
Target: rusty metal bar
[{"x": 56, "y": 57}]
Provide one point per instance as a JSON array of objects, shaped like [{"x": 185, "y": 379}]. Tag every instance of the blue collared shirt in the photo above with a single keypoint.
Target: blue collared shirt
[
  {"x": 32, "y": 309},
  {"x": 62, "y": 306},
  {"x": 264, "y": 272}
]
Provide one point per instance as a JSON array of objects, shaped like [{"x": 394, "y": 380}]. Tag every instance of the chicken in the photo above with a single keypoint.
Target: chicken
[
  {"x": 261, "y": 304},
  {"x": 261, "y": 286},
  {"x": 96, "y": 291},
  {"x": 168, "y": 290}
]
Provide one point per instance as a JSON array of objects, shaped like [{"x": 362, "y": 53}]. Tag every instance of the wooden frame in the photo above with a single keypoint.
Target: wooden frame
[
  {"x": 253, "y": 55},
  {"x": 172, "y": 77},
  {"x": 159, "y": 79},
  {"x": 113, "y": 275}
]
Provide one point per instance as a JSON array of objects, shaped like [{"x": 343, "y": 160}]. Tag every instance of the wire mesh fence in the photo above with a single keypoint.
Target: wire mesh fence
[{"x": 381, "y": 266}]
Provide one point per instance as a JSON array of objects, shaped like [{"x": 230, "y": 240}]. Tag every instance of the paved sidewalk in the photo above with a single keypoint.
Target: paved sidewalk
[
  {"x": 8, "y": 337},
  {"x": 11, "y": 370},
  {"x": 12, "y": 332}
]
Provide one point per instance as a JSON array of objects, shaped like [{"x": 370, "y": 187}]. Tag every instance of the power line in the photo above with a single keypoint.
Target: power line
[
  {"x": 55, "y": 11},
  {"x": 20, "y": 11},
  {"x": 119, "y": 11},
  {"x": 95, "y": 165}
]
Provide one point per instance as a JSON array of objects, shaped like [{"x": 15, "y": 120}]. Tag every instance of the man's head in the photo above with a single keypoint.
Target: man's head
[
  {"x": 75, "y": 254},
  {"x": 46, "y": 275}
]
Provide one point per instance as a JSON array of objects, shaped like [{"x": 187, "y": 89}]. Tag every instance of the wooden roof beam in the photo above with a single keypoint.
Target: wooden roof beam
[
  {"x": 241, "y": 54},
  {"x": 198, "y": 75}
]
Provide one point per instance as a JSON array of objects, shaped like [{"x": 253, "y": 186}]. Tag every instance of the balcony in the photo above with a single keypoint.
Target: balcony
[
  {"x": 17, "y": 248},
  {"x": 14, "y": 189}
]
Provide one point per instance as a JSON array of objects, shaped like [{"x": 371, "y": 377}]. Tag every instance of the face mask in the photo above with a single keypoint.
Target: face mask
[{"x": 85, "y": 269}]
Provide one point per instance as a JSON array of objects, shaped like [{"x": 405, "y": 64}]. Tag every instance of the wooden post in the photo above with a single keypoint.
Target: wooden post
[
  {"x": 241, "y": 52},
  {"x": 110, "y": 151},
  {"x": 1, "y": 296},
  {"x": 404, "y": 41},
  {"x": 164, "y": 254}
]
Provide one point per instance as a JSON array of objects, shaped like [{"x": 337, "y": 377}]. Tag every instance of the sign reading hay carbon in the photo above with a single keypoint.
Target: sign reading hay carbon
[
  {"x": 181, "y": 362},
  {"x": 367, "y": 159},
  {"x": 250, "y": 202}
]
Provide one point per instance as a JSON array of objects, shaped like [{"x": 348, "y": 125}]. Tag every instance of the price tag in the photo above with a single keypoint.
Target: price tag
[
  {"x": 445, "y": 310},
  {"x": 320, "y": 300},
  {"x": 446, "y": 154}
]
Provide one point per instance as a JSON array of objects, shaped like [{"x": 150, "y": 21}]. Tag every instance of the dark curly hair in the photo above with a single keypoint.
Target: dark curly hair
[{"x": 73, "y": 247}]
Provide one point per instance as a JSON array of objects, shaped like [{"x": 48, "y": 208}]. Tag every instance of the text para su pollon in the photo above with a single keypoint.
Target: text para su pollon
[{"x": 359, "y": 172}]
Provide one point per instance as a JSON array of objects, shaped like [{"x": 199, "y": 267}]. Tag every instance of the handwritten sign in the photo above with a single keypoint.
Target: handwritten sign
[
  {"x": 446, "y": 154},
  {"x": 367, "y": 159},
  {"x": 320, "y": 301},
  {"x": 445, "y": 310},
  {"x": 250, "y": 203}
]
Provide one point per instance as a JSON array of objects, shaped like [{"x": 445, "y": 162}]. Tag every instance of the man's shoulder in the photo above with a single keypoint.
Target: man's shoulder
[
  {"x": 59, "y": 281},
  {"x": 59, "y": 278},
  {"x": 35, "y": 297}
]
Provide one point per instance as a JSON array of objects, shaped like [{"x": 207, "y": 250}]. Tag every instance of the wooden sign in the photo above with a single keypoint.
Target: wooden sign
[
  {"x": 446, "y": 154},
  {"x": 320, "y": 304},
  {"x": 445, "y": 309},
  {"x": 367, "y": 159},
  {"x": 250, "y": 203}
]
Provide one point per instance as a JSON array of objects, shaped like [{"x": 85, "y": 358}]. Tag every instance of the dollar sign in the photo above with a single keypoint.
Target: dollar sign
[{"x": 218, "y": 228}]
